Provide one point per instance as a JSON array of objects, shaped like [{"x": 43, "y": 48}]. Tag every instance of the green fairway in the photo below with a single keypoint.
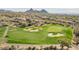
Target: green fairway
[{"x": 18, "y": 35}]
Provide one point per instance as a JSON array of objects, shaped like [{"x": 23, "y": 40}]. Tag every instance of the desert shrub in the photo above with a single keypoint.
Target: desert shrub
[
  {"x": 29, "y": 48},
  {"x": 33, "y": 48},
  {"x": 12, "y": 47}
]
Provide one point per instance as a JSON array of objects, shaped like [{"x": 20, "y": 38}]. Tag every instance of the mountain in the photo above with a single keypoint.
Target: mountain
[
  {"x": 44, "y": 11},
  {"x": 37, "y": 11}
]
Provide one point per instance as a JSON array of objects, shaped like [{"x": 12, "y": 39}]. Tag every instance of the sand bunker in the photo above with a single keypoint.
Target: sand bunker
[
  {"x": 30, "y": 30},
  {"x": 57, "y": 35}
]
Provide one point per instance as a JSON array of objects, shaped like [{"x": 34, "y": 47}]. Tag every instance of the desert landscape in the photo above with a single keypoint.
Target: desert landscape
[{"x": 38, "y": 30}]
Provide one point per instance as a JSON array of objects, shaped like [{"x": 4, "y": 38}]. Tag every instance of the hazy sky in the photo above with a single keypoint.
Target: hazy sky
[{"x": 50, "y": 10}]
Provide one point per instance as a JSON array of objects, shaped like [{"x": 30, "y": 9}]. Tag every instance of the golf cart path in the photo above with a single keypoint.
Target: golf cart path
[{"x": 6, "y": 31}]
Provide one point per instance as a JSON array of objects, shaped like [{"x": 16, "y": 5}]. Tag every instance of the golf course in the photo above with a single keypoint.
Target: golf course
[{"x": 47, "y": 34}]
